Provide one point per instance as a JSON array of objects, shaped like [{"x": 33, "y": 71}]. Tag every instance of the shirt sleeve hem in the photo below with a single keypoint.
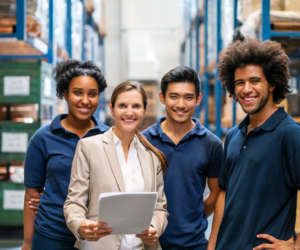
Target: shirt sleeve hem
[
  {"x": 222, "y": 187},
  {"x": 213, "y": 175},
  {"x": 33, "y": 186}
]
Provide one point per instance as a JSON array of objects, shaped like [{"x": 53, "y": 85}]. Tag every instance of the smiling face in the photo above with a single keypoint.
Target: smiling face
[
  {"x": 128, "y": 112},
  {"x": 180, "y": 101},
  {"x": 82, "y": 97},
  {"x": 252, "y": 89}
]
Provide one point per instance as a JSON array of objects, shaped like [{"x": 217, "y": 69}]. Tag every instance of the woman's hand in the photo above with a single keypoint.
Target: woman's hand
[
  {"x": 34, "y": 203},
  {"x": 90, "y": 230},
  {"x": 149, "y": 237}
]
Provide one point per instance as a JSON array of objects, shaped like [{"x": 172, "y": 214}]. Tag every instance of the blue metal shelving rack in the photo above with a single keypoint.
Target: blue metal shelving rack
[
  {"x": 208, "y": 75},
  {"x": 46, "y": 50}
]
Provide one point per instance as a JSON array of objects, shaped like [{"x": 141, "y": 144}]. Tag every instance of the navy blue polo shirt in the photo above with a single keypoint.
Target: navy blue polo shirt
[
  {"x": 261, "y": 175},
  {"x": 197, "y": 156},
  {"x": 48, "y": 164}
]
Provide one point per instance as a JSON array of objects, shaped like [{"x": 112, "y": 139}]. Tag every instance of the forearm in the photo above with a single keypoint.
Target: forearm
[
  {"x": 28, "y": 220},
  {"x": 218, "y": 215},
  {"x": 297, "y": 243},
  {"x": 209, "y": 205}
]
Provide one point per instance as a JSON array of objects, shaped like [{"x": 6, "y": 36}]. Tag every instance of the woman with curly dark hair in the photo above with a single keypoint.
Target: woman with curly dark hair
[
  {"x": 50, "y": 154},
  {"x": 260, "y": 173}
]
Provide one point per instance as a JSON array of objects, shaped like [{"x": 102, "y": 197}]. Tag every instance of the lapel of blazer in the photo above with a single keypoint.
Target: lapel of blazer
[
  {"x": 111, "y": 153},
  {"x": 146, "y": 166}
]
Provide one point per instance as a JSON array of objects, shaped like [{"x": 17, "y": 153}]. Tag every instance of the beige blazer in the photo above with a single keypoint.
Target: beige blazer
[{"x": 96, "y": 170}]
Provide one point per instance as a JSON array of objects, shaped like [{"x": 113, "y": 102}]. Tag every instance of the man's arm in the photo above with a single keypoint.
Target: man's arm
[
  {"x": 29, "y": 216},
  {"x": 218, "y": 215},
  {"x": 211, "y": 199}
]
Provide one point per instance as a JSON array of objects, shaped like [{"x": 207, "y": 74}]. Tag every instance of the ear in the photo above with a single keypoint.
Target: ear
[
  {"x": 199, "y": 98},
  {"x": 145, "y": 111},
  {"x": 66, "y": 95},
  {"x": 161, "y": 98},
  {"x": 272, "y": 87},
  {"x": 111, "y": 110}
]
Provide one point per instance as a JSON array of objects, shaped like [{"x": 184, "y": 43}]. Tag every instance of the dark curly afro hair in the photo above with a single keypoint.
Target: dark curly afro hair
[
  {"x": 269, "y": 55},
  {"x": 65, "y": 71}
]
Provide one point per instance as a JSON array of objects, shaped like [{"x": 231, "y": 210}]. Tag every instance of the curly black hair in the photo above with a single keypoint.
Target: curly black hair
[
  {"x": 181, "y": 74},
  {"x": 269, "y": 55},
  {"x": 65, "y": 71}
]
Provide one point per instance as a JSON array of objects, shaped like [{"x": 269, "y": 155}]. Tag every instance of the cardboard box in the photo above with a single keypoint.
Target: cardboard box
[
  {"x": 292, "y": 5},
  {"x": 248, "y": 6}
]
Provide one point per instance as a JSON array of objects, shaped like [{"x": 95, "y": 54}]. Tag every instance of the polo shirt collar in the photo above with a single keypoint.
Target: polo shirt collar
[
  {"x": 270, "y": 124},
  {"x": 55, "y": 124},
  {"x": 157, "y": 130}
]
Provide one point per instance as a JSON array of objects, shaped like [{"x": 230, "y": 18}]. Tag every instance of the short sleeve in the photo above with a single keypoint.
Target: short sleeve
[
  {"x": 215, "y": 161},
  {"x": 223, "y": 169},
  {"x": 294, "y": 167},
  {"x": 34, "y": 167}
]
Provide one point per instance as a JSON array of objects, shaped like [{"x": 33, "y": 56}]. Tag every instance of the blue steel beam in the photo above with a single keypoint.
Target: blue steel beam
[
  {"x": 21, "y": 19},
  {"x": 206, "y": 74},
  {"x": 6, "y": 57},
  {"x": 235, "y": 2},
  {"x": 266, "y": 25},
  {"x": 284, "y": 34},
  {"x": 69, "y": 27},
  {"x": 197, "y": 24},
  {"x": 218, "y": 90},
  {"x": 51, "y": 45},
  {"x": 191, "y": 33}
]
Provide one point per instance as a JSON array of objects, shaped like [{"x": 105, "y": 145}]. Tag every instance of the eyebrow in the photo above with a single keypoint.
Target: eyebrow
[
  {"x": 188, "y": 94},
  {"x": 251, "y": 78},
  {"x": 82, "y": 89}
]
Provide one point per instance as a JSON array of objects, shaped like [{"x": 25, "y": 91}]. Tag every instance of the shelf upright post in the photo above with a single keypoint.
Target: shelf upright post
[
  {"x": 191, "y": 33},
  {"x": 235, "y": 2},
  {"x": 265, "y": 20},
  {"x": 52, "y": 24},
  {"x": 218, "y": 92},
  {"x": 21, "y": 19},
  {"x": 197, "y": 26},
  {"x": 69, "y": 27},
  {"x": 206, "y": 75}
]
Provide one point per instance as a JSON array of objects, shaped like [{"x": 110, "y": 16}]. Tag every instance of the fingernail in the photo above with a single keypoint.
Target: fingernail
[
  {"x": 105, "y": 224},
  {"x": 31, "y": 206}
]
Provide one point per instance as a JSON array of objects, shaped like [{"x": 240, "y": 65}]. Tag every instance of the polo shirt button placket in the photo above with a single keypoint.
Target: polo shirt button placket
[{"x": 244, "y": 147}]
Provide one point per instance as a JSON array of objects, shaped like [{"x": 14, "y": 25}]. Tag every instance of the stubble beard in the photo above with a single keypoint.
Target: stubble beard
[{"x": 258, "y": 107}]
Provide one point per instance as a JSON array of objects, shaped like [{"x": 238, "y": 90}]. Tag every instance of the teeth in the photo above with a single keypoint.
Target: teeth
[
  {"x": 84, "y": 108},
  {"x": 128, "y": 120},
  {"x": 249, "y": 99}
]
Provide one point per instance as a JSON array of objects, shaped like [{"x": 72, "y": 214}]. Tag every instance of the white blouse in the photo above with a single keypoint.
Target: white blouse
[{"x": 134, "y": 182}]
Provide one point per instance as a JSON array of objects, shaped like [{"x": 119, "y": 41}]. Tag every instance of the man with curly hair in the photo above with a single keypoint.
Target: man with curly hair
[{"x": 260, "y": 173}]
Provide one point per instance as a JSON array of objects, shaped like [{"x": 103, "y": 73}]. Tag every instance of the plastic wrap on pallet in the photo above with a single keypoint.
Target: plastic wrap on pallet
[
  {"x": 77, "y": 29},
  {"x": 227, "y": 22},
  {"x": 212, "y": 31},
  {"x": 251, "y": 27}
]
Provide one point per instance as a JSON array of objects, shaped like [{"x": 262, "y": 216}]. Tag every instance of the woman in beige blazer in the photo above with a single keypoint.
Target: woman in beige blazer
[{"x": 120, "y": 160}]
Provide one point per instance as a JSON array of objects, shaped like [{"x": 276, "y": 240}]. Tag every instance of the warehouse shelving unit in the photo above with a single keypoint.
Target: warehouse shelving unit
[
  {"x": 209, "y": 75},
  {"x": 37, "y": 67},
  {"x": 38, "y": 101}
]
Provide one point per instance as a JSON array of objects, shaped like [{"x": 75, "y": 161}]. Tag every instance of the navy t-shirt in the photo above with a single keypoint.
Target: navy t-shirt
[
  {"x": 261, "y": 175},
  {"x": 48, "y": 164},
  {"x": 197, "y": 156}
]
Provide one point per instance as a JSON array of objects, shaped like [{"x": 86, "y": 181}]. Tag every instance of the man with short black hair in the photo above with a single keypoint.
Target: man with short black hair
[
  {"x": 260, "y": 173},
  {"x": 194, "y": 155}
]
